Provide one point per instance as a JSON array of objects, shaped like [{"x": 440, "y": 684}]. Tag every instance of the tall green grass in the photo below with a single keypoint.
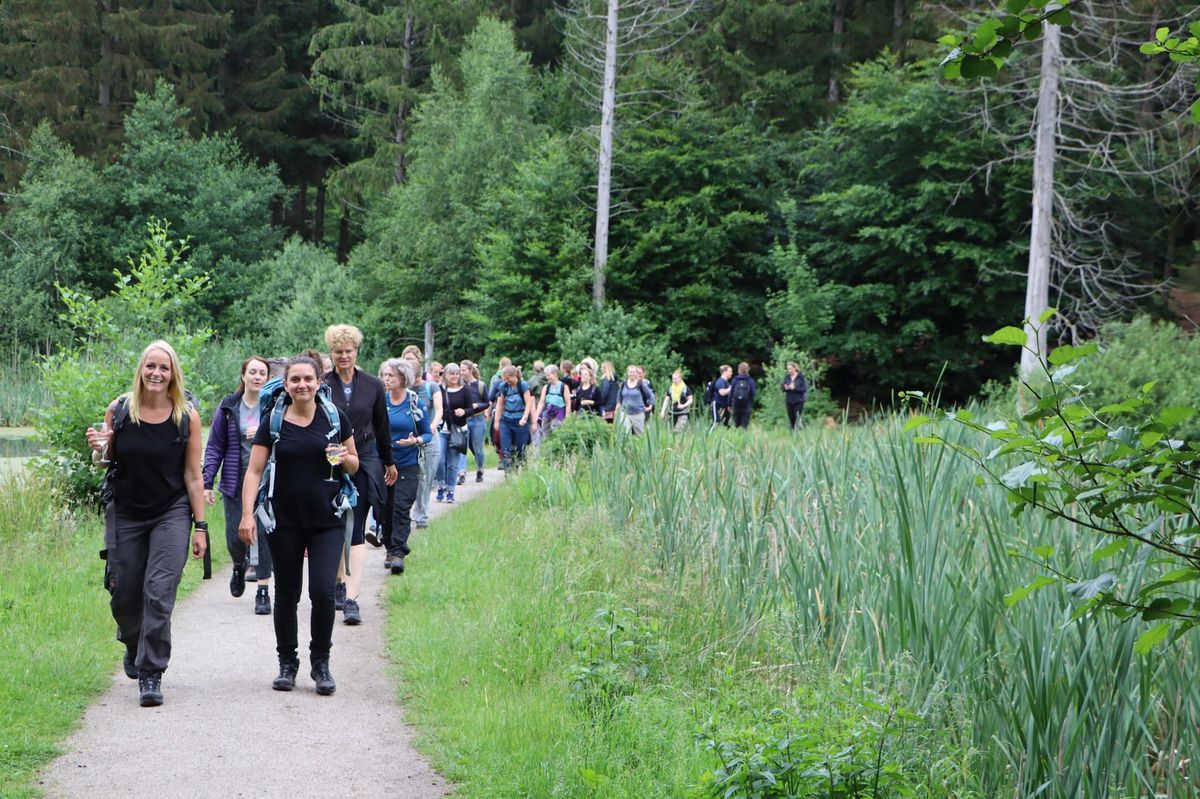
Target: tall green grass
[
  {"x": 22, "y": 391},
  {"x": 879, "y": 550}
]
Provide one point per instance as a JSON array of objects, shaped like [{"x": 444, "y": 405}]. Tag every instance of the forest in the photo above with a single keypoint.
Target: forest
[{"x": 786, "y": 176}]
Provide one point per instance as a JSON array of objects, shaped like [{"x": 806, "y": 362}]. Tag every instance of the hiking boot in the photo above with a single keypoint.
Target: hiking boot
[
  {"x": 150, "y": 689},
  {"x": 462, "y": 477},
  {"x": 398, "y": 565},
  {"x": 339, "y": 596},
  {"x": 441, "y": 494},
  {"x": 479, "y": 476},
  {"x": 237, "y": 582},
  {"x": 352, "y": 614},
  {"x": 322, "y": 677},
  {"x": 372, "y": 536},
  {"x": 286, "y": 680},
  {"x": 130, "y": 662},
  {"x": 262, "y": 601}
]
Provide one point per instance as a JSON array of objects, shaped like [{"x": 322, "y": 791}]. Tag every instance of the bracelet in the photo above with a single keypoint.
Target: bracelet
[{"x": 201, "y": 525}]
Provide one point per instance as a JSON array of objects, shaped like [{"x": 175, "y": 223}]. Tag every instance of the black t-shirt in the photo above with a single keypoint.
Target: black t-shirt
[
  {"x": 592, "y": 393},
  {"x": 149, "y": 468},
  {"x": 303, "y": 497}
]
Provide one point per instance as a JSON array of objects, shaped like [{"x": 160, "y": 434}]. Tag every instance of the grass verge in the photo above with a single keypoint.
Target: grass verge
[
  {"x": 541, "y": 654},
  {"x": 58, "y": 650}
]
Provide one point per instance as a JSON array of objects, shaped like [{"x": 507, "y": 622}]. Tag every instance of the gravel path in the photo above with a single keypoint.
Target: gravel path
[{"x": 222, "y": 731}]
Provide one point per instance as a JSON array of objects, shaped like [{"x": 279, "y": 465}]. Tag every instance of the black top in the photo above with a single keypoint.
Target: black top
[
  {"x": 592, "y": 392},
  {"x": 464, "y": 399},
  {"x": 149, "y": 468},
  {"x": 367, "y": 410},
  {"x": 609, "y": 388},
  {"x": 303, "y": 496},
  {"x": 796, "y": 390}
]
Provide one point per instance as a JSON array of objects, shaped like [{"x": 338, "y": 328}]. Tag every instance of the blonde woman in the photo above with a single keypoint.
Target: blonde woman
[
  {"x": 554, "y": 401},
  {"x": 151, "y": 437},
  {"x": 679, "y": 401},
  {"x": 610, "y": 386}
]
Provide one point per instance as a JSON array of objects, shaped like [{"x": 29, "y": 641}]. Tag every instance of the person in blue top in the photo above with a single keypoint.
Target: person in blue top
[
  {"x": 514, "y": 418},
  {"x": 741, "y": 396},
  {"x": 720, "y": 396},
  {"x": 408, "y": 416}
]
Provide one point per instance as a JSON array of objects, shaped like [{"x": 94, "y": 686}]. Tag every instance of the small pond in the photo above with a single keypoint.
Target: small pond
[{"x": 18, "y": 442}]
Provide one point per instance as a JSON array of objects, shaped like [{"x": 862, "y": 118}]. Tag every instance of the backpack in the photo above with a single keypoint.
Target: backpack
[
  {"x": 710, "y": 392},
  {"x": 512, "y": 391},
  {"x": 741, "y": 391},
  {"x": 273, "y": 401}
]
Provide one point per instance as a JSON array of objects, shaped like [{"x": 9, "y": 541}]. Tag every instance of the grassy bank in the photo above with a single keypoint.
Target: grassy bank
[
  {"x": 58, "y": 651},
  {"x": 543, "y": 653},
  {"x": 687, "y": 615}
]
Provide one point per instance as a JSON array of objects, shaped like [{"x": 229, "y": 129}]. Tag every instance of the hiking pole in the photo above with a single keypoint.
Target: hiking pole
[{"x": 207, "y": 556}]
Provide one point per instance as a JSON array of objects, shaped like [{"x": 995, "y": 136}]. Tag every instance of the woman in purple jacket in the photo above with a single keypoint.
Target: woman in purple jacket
[{"x": 233, "y": 428}]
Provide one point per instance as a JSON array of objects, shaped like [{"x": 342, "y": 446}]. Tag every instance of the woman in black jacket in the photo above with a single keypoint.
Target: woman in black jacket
[{"x": 361, "y": 397}]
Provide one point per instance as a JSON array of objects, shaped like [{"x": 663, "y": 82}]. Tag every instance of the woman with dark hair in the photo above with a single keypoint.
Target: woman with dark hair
[
  {"x": 514, "y": 420},
  {"x": 228, "y": 451},
  {"x": 150, "y": 437},
  {"x": 795, "y": 392},
  {"x": 409, "y": 418},
  {"x": 741, "y": 396},
  {"x": 360, "y": 395},
  {"x": 308, "y": 454}
]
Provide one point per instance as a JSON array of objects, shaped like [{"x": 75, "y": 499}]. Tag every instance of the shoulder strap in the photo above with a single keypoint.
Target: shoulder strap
[
  {"x": 120, "y": 413},
  {"x": 325, "y": 400}
]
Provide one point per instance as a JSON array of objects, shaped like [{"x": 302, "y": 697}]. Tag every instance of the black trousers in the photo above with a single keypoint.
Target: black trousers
[
  {"x": 324, "y": 547},
  {"x": 795, "y": 411},
  {"x": 741, "y": 414},
  {"x": 397, "y": 517},
  {"x": 368, "y": 481},
  {"x": 720, "y": 415}
]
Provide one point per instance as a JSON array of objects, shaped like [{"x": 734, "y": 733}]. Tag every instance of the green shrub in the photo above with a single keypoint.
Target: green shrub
[
  {"x": 577, "y": 436},
  {"x": 623, "y": 337},
  {"x": 153, "y": 297}
]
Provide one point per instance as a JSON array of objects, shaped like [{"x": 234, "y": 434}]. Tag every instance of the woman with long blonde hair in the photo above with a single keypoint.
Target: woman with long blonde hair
[{"x": 150, "y": 439}]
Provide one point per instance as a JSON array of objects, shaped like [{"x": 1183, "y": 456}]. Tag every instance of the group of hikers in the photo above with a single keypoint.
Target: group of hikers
[{"x": 318, "y": 459}]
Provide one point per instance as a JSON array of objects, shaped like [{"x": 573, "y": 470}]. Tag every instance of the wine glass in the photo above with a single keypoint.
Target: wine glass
[{"x": 333, "y": 454}]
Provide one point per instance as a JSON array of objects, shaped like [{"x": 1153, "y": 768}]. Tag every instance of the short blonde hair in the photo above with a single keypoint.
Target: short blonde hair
[
  {"x": 413, "y": 349},
  {"x": 342, "y": 334}
]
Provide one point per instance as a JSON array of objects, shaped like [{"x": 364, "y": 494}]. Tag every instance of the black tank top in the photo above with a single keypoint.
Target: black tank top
[{"x": 149, "y": 474}]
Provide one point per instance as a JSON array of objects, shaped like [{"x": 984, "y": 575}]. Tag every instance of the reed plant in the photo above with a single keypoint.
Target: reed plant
[{"x": 878, "y": 550}]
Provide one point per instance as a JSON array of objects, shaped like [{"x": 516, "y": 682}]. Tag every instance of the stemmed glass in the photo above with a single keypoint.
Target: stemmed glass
[{"x": 333, "y": 454}]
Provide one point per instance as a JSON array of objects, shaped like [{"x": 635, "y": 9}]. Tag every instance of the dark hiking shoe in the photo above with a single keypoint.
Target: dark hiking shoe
[
  {"x": 237, "y": 582},
  {"x": 462, "y": 477},
  {"x": 421, "y": 525},
  {"x": 339, "y": 596},
  {"x": 387, "y": 560},
  {"x": 322, "y": 677},
  {"x": 353, "y": 615},
  {"x": 286, "y": 680},
  {"x": 372, "y": 537},
  {"x": 479, "y": 476},
  {"x": 130, "y": 663},
  {"x": 262, "y": 601},
  {"x": 398, "y": 565},
  {"x": 150, "y": 689}
]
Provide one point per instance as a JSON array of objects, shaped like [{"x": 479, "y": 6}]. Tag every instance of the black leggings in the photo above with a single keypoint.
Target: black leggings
[
  {"x": 741, "y": 414},
  {"x": 795, "y": 411},
  {"x": 324, "y": 547}
]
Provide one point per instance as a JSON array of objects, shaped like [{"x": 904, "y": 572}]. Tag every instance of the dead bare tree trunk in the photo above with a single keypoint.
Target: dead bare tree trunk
[
  {"x": 839, "y": 31},
  {"x": 428, "y": 342},
  {"x": 608, "y": 106},
  {"x": 1037, "y": 287},
  {"x": 899, "y": 30},
  {"x": 405, "y": 107}
]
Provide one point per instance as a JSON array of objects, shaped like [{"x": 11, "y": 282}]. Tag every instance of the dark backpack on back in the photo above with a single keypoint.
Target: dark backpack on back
[
  {"x": 741, "y": 391},
  {"x": 710, "y": 392}
]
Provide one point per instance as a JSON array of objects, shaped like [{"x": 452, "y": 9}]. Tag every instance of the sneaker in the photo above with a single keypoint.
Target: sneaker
[
  {"x": 441, "y": 494},
  {"x": 339, "y": 596},
  {"x": 150, "y": 689},
  {"x": 286, "y": 680},
  {"x": 237, "y": 583},
  {"x": 322, "y": 677},
  {"x": 252, "y": 574},
  {"x": 373, "y": 537},
  {"x": 130, "y": 663},
  {"x": 421, "y": 525},
  {"x": 398, "y": 565},
  {"x": 353, "y": 615},
  {"x": 479, "y": 476},
  {"x": 503, "y": 466},
  {"x": 462, "y": 477},
  {"x": 450, "y": 496},
  {"x": 262, "y": 601}
]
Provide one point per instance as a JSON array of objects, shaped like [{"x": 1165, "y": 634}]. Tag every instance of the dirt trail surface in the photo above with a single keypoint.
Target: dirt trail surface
[{"x": 222, "y": 731}]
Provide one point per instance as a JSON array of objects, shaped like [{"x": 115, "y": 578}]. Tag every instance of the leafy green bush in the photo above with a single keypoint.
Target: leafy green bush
[
  {"x": 578, "y": 435},
  {"x": 153, "y": 297},
  {"x": 623, "y": 337},
  {"x": 614, "y": 655}
]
